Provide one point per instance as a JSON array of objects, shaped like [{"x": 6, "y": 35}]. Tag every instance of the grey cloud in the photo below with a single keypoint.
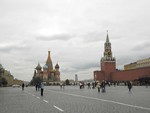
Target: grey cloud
[
  {"x": 141, "y": 46},
  {"x": 82, "y": 66},
  {"x": 88, "y": 37},
  {"x": 10, "y": 48},
  {"x": 93, "y": 37},
  {"x": 67, "y": 71},
  {"x": 124, "y": 60},
  {"x": 62, "y": 37},
  {"x": 79, "y": 67}
]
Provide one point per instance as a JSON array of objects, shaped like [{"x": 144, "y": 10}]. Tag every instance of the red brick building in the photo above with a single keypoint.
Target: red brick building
[{"x": 110, "y": 73}]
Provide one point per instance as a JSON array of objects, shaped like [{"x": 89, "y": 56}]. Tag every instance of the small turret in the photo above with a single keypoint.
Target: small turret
[
  {"x": 38, "y": 67},
  {"x": 57, "y": 66}
]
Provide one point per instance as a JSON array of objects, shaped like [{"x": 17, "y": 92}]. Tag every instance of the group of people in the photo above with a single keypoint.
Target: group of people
[
  {"x": 98, "y": 85},
  {"x": 38, "y": 86},
  {"x": 102, "y": 86}
]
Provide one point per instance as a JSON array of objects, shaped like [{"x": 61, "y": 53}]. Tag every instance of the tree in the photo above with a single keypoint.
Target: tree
[
  {"x": 67, "y": 82},
  {"x": 4, "y": 82}
]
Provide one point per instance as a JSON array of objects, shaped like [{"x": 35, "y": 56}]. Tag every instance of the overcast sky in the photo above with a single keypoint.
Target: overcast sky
[{"x": 74, "y": 31}]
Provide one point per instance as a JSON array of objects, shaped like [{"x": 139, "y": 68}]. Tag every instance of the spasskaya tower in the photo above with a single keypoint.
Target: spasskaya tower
[{"x": 108, "y": 62}]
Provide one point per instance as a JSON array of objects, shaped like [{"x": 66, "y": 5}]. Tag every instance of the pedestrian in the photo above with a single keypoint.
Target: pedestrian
[
  {"x": 22, "y": 86},
  {"x": 42, "y": 88},
  {"x": 129, "y": 86},
  {"x": 89, "y": 85},
  {"x": 81, "y": 85},
  {"x": 36, "y": 86},
  {"x": 61, "y": 85},
  {"x": 98, "y": 86},
  {"x": 114, "y": 84},
  {"x": 103, "y": 86},
  {"x": 93, "y": 85},
  {"x": 146, "y": 83}
]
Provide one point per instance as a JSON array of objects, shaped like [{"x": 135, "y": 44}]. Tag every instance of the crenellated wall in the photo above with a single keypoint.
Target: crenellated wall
[{"x": 130, "y": 75}]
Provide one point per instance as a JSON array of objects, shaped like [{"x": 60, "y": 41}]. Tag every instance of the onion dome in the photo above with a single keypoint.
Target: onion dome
[
  {"x": 38, "y": 67},
  {"x": 56, "y": 66},
  {"x": 45, "y": 67}
]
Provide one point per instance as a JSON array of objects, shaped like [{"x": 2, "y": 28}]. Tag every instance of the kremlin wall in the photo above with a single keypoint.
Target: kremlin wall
[{"x": 131, "y": 72}]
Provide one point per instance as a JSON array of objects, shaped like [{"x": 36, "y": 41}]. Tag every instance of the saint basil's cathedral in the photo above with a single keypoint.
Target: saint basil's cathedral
[{"x": 48, "y": 74}]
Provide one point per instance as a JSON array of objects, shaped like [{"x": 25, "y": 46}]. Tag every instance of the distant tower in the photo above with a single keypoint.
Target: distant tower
[
  {"x": 49, "y": 62},
  {"x": 108, "y": 62},
  {"x": 76, "y": 78}
]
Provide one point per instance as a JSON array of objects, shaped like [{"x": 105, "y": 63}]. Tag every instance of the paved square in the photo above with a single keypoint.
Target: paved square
[{"x": 71, "y": 99}]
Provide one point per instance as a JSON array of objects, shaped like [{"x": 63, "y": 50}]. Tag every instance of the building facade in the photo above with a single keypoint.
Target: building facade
[
  {"x": 138, "y": 64},
  {"x": 48, "y": 73},
  {"x": 109, "y": 72}
]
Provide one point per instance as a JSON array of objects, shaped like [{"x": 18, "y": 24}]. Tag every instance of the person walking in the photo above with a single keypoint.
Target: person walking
[
  {"x": 98, "y": 87},
  {"x": 103, "y": 86},
  {"x": 36, "y": 86},
  {"x": 61, "y": 85},
  {"x": 93, "y": 85},
  {"x": 39, "y": 85},
  {"x": 89, "y": 85},
  {"x": 129, "y": 86},
  {"x": 22, "y": 86},
  {"x": 42, "y": 89},
  {"x": 80, "y": 84}
]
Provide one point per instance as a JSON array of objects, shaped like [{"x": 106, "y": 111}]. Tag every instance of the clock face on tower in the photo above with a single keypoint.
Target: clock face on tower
[{"x": 109, "y": 53}]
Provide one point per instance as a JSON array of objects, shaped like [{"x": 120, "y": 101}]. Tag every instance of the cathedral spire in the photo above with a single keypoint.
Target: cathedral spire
[{"x": 49, "y": 62}]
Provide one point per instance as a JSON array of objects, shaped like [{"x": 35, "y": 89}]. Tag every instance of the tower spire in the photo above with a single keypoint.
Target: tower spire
[{"x": 107, "y": 38}]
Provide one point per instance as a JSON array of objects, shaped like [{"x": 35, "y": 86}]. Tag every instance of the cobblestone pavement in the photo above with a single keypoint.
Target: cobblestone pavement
[{"x": 71, "y": 99}]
